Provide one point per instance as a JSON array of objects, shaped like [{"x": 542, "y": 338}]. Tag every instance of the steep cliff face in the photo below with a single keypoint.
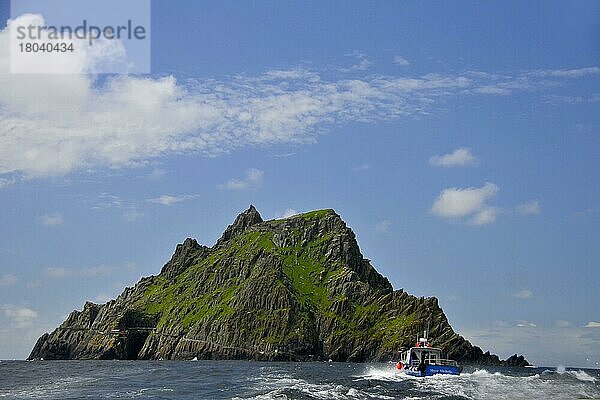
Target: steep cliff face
[{"x": 290, "y": 289}]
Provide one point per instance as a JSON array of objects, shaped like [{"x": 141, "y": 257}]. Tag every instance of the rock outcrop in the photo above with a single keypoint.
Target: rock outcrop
[{"x": 288, "y": 289}]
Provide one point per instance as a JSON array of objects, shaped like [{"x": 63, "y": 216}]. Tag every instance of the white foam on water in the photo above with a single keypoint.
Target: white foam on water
[
  {"x": 583, "y": 376},
  {"x": 358, "y": 394},
  {"x": 579, "y": 374},
  {"x": 384, "y": 374},
  {"x": 49, "y": 389},
  {"x": 138, "y": 393},
  {"x": 483, "y": 384},
  {"x": 279, "y": 386}
]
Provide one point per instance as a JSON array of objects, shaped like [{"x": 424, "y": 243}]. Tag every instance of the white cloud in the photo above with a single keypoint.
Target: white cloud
[
  {"x": 458, "y": 203},
  {"x": 6, "y": 182},
  {"x": 362, "y": 167},
  {"x": 130, "y": 211},
  {"x": 525, "y": 324},
  {"x": 54, "y": 219},
  {"x": 593, "y": 324},
  {"x": 492, "y": 90},
  {"x": 561, "y": 99},
  {"x": 529, "y": 208},
  {"x": 108, "y": 200},
  {"x": 485, "y": 216},
  {"x": 169, "y": 200},
  {"x": 383, "y": 226},
  {"x": 89, "y": 272},
  {"x": 524, "y": 294},
  {"x": 284, "y": 155},
  {"x": 253, "y": 180},
  {"x": 459, "y": 158},
  {"x": 52, "y": 125},
  {"x": 103, "y": 56},
  {"x": 289, "y": 212},
  {"x": 8, "y": 280},
  {"x": 362, "y": 65},
  {"x": 19, "y": 317},
  {"x": 569, "y": 73},
  {"x": 401, "y": 61}
]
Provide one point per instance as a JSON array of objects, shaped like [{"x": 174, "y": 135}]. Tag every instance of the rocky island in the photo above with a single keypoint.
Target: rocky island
[{"x": 285, "y": 289}]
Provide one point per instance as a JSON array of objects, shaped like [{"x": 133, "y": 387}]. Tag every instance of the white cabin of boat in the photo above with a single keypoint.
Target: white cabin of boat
[{"x": 422, "y": 353}]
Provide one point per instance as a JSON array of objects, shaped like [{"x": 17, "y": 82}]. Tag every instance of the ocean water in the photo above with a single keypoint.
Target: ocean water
[{"x": 259, "y": 380}]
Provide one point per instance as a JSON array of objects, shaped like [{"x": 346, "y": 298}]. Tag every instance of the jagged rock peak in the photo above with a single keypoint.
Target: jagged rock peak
[
  {"x": 242, "y": 222},
  {"x": 185, "y": 255}
]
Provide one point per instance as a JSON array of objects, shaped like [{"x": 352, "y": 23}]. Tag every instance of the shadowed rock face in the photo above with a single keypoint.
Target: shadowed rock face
[{"x": 290, "y": 289}]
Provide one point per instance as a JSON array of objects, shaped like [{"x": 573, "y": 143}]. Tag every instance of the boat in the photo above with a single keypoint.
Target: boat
[{"x": 424, "y": 360}]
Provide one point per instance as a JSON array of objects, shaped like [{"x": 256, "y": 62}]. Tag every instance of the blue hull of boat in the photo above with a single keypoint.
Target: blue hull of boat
[{"x": 431, "y": 370}]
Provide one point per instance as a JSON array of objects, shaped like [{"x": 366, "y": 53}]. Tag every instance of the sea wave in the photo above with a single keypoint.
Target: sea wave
[
  {"x": 482, "y": 383},
  {"x": 579, "y": 374}
]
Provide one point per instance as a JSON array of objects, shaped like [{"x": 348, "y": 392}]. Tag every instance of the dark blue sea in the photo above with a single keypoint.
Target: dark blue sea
[{"x": 258, "y": 380}]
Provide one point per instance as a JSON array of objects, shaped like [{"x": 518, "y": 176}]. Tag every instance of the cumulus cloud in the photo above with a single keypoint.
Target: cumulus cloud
[
  {"x": 529, "y": 208},
  {"x": 52, "y": 125},
  {"x": 484, "y": 216},
  {"x": 8, "y": 280},
  {"x": 253, "y": 180},
  {"x": 383, "y": 226},
  {"x": 401, "y": 61},
  {"x": 19, "y": 317},
  {"x": 524, "y": 294},
  {"x": 89, "y": 272},
  {"x": 459, "y": 158},
  {"x": 54, "y": 219},
  {"x": 104, "y": 55},
  {"x": 467, "y": 203},
  {"x": 593, "y": 324},
  {"x": 169, "y": 200}
]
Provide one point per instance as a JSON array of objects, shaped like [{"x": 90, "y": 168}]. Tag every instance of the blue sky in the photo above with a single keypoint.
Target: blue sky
[{"x": 459, "y": 141}]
